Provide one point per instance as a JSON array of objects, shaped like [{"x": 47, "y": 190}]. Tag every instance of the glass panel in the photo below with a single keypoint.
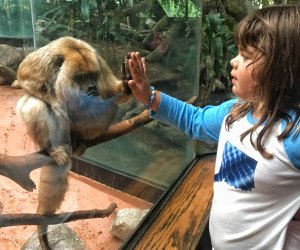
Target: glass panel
[
  {"x": 155, "y": 154},
  {"x": 136, "y": 169},
  {"x": 15, "y": 19},
  {"x": 16, "y": 23},
  {"x": 133, "y": 170}
]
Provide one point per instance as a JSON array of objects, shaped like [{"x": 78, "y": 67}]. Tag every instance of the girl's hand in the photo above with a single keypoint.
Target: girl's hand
[{"x": 140, "y": 85}]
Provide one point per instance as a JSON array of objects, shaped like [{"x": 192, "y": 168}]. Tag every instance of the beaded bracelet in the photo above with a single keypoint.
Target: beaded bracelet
[{"x": 152, "y": 98}]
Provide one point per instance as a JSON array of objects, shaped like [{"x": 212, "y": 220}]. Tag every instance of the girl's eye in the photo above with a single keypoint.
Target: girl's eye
[{"x": 244, "y": 57}]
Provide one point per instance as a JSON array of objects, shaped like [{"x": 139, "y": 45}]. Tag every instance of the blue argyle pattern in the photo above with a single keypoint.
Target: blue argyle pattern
[{"x": 237, "y": 168}]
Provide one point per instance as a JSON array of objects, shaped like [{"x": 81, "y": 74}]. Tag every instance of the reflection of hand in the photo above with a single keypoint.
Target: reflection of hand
[
  {"x": 140, "y": 84},
  {"x": 126, "y": 75}
]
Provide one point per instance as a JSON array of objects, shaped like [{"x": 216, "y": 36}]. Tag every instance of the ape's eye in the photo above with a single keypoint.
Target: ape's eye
[
  {"x": 59, "y": 60},
  {"x": 86, "y": 77},
  {"x": 93, "y": 77}
]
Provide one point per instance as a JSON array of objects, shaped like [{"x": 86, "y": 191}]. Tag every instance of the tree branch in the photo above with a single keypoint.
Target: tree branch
[
  {"x": 122, "y": 128},
  {"x": 18, "y": 168},
  {"x": 144, "y": 5},
  {"x": 8, "y": 220}
]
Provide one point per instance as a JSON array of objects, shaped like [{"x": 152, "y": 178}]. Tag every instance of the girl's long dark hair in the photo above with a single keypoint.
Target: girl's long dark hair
[{"x": 275, "y": 33}]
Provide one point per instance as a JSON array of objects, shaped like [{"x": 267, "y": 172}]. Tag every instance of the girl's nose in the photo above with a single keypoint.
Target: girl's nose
[{"x": 234, "y": 62}]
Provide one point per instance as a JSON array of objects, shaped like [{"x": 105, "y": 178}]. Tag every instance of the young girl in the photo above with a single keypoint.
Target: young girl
[{"x": 257, "y": 172}]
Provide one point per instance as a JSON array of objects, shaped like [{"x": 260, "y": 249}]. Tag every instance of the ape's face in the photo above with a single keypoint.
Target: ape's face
[
  {"x": 72, "y": 85},
  {"x": 66, "y": 64},
  {"x": 87, "y": 83}
]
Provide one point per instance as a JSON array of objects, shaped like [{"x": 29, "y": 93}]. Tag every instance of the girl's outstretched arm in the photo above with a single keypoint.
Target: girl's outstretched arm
[
  {"x": 198, "y": 123},
  {"x": 140, "y": 85}
]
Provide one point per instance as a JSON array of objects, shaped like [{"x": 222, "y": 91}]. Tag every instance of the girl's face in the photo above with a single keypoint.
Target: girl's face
[{"x": 244, "y": 84}]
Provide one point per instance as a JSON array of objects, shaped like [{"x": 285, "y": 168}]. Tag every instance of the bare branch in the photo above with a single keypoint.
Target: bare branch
[
  {"x": 18, "y": 168},
  {"x": 122, "y": 128},
  {"x": 8, "y": 220},
  {"x": 144, "y": 5}
]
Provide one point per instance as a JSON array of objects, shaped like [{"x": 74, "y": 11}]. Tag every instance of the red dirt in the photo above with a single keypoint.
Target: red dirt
[{"x": 83, "y": 193}]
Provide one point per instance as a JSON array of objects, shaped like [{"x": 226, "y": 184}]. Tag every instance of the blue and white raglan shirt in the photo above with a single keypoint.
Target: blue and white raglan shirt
[{"x": 255, "y": 198}]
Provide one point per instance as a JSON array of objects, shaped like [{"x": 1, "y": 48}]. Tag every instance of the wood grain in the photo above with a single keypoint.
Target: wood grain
[{"x": 182, "y": 221}]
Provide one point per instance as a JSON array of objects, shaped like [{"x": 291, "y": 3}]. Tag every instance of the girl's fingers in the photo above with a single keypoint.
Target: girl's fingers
[
  {"x": 144, "y": 65},
  {"x": 136, "y": 58},
  {"x": 137, "y": 73},
  {"x": 131, "y": 84},
  {"x": 139, "y": 61},
  {"x": 133, "y": 70}
]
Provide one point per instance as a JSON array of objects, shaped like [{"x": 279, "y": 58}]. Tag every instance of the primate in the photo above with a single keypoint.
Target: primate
[{"x": 71, "y": 96}]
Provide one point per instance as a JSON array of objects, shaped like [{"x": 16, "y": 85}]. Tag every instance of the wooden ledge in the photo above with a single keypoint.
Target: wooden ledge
[{"x": 182, "y": 219}]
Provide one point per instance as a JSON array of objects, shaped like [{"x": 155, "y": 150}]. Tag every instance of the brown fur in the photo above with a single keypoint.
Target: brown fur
[{"x": 54, "y": 76}]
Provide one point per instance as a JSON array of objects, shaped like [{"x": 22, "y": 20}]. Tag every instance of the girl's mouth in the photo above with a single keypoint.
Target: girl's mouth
[{"x": 233, "y": 80}]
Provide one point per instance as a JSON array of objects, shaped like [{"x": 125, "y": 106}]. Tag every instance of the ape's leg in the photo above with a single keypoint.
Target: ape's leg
[
  {"x": 48, "y": 126},
  {"x": 52, "y": 189}
]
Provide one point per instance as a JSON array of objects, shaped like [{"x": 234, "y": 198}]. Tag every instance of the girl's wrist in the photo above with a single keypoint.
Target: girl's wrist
[
  {"x": 156, "y": 101},
  {"x": 151, "y": 98}
]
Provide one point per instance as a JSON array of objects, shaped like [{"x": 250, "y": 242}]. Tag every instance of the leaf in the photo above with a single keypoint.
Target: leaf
[
  {"x": 71, "y": 19},
  {"x": 215, "y": 22},
  {"x": 85, "y": 10},
  {"x": 219, "y": 55},
  {"x": 93, "y": 3}
]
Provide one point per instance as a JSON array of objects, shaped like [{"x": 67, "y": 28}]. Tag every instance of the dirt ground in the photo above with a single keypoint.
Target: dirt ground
[{"x": 83, "y": 193}]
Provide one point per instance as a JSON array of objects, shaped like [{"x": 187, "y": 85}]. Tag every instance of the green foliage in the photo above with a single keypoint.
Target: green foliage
[
  {"x": 218, "y": 48},
  {"x": 86, "y": 6},
  {"x": 15, "y": 18},
  {"x": 264, "y": 3},
  {"x": 88, "y": 19},
  {"x": 101, "y": 19},
  {"x": 180, "y": 8}
]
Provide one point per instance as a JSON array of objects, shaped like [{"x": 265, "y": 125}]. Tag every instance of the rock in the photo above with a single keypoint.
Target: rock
[
  {"x": 60, "y": 236},
  {"x": 10, "y": 59},
  {"x": 126, "y": 221},
  {"x": 10, "y": 56}
]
